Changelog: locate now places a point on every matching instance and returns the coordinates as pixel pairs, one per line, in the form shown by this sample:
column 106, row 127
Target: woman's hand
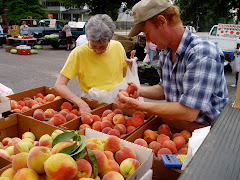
column 84, row 107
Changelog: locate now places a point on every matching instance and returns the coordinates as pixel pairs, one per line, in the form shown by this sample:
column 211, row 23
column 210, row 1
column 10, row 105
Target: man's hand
column 128, row 102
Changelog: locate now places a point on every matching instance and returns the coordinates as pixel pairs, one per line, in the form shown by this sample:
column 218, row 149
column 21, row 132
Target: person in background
column 24, row 30
column 99, row 63
column 67, row 29
column 150, row 50
column 191, row 68
column 237, row 73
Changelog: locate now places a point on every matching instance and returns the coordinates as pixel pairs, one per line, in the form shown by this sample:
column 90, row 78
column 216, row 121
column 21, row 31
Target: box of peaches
column 164, row 136
column 62, row 155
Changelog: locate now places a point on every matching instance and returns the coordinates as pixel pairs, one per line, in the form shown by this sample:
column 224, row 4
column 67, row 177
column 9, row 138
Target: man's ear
column 162, row 20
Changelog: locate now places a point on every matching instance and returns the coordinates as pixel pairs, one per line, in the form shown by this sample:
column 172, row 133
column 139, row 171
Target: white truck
column 226, row 36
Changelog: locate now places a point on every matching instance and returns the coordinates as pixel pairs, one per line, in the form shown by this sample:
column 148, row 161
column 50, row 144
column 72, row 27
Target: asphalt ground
column 24, row 72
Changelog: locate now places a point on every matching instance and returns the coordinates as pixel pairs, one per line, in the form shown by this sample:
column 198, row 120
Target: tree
column 109, row 7
column 20, row 9
column 206, row 13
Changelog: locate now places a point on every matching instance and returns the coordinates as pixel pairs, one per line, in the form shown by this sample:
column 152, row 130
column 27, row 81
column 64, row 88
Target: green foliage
column 21, row 9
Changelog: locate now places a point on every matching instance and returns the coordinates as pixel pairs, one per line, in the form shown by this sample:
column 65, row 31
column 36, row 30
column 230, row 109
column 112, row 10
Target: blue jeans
column 151, row 56
column 24, row 42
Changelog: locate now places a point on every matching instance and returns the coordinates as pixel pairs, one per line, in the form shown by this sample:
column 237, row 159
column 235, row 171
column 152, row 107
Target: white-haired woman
column 99, row 63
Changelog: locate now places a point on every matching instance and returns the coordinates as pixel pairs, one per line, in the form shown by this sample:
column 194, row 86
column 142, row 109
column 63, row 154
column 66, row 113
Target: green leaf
column 82, row 145
column 94, row 161
column 63, row 137
column 70, row 149
column 47, row 119
column 79, row 155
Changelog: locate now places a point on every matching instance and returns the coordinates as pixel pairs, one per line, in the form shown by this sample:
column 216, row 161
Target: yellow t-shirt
column 102, row 71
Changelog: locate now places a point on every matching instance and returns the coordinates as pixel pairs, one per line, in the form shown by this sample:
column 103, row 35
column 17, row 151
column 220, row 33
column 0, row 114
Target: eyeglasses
column 103, row 48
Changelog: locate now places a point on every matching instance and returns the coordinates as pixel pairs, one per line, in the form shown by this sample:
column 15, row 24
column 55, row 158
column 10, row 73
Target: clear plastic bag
column 146, row 59
column 235, row 64
column 5, row 91
column 108, row 97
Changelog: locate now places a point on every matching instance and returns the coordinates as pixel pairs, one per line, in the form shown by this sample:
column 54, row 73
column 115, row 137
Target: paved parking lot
column 23, row 72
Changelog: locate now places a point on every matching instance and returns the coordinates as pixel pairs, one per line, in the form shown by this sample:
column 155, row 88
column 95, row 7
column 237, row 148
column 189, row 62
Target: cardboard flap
column 5, row 104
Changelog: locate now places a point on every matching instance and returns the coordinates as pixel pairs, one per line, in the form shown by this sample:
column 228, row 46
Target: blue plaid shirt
column 196, row 79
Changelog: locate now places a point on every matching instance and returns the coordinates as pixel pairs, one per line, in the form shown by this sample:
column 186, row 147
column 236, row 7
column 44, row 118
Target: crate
column 160, row 171
column 15, row 27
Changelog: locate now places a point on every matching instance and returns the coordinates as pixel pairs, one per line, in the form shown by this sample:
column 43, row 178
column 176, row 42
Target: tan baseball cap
column 146, row 9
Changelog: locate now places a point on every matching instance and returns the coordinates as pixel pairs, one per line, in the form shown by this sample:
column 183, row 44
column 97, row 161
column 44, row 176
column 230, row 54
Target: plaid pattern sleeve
column 196, row 79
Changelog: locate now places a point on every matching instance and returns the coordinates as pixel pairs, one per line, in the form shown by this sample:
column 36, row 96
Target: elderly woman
column 99, row 63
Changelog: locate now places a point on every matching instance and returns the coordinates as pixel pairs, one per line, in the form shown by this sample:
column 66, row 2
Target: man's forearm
column 155, row 92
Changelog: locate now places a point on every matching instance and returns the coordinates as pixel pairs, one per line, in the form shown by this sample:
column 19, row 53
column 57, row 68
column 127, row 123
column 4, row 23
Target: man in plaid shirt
column 191, row 69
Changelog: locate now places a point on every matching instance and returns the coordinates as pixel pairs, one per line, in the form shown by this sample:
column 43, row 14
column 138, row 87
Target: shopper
column 191, row 68
column 67, row 28
column 150, row 50
column 99, row 63
column 24, row 30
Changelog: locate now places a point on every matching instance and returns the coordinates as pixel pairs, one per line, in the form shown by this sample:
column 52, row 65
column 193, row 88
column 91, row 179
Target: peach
column 39, row 100
column 21, row 147
column 95, row 144
column 28, row 135
column 155, row 146
column 186, row 134
column 20, row 161
column 112, row 143
column 14, row 104
column 87, row 118
column 123, row 92
column 26, row 99
column 101, row 160
column 169, row 144
column 10, row 149
column 49, row 97
column 84, row 169
column 39, row 95
column 26, row 174
column 36, row 158
column 186, row 145
column 14, row 141
column 57, row 97
column 75, row 111
column 175, row 135
column 162, row 137
column 164, row 129
column 124, row 153
column 106, row 130
column 128, row 121
column 17, row 110
column 25, row 108
column 141, row 142
column 46, row 140
column 61, row 145
column 118, row 111
column 112, row 166
column 179, row 141
column 137, row 120
column 70, row 117
column 113, row 175
column 128, row 167
column 183, row 151
column 131, row 88
column 49, row 113
column 96, row 118
column 130, row 129
column 110, row 117
column 29, row 142
column 8, row 173
column 163, row 151
column 105, row 124
column 150, row 135
column 109, row 155
column 121, row 128
column 114, row 132
column 21, row 103
column 175, row 151
column 84, row 126
column 104, row 119
column 19, row 107
column 139, row 113
column 5, row 154
column 97, row 126
column 119, row 119
column 66, row 105
column 58, row 119
column 56, row 133
column 92, row 177
column 31, row 102
column 60, row 166
column 106, row 112
column 39, row 115
column 5, row 141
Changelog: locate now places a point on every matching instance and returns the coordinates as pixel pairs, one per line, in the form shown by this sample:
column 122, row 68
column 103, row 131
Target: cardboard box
column 148, row 175
column 4, row 164
column 74, row 124
column 5, row 105
column 160, row 171
column 144, row 155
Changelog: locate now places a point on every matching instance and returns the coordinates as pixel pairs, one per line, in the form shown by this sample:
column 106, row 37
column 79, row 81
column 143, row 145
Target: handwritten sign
column 228, row 30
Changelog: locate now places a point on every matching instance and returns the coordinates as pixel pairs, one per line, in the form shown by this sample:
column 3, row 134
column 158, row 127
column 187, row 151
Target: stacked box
column 75, row 124
column 160, row 171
